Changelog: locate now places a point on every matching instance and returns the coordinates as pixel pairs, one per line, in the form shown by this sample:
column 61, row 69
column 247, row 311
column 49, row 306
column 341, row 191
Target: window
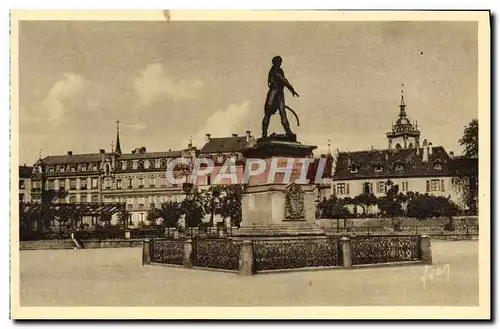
column 21, row 184
column 94, row 183
column 209, row 179
column 61, row 169
column 140, row 165
column 72, row 168
column 72, row 184
column 163, row 164
column 21, row 196
column 378, row 167
column 398, row 146
column 163, row 181
column 83, row 184
column 437, row 165
column 83, row 167
column 72, row 198
column 107, row 169
column 367, row 187
column 147, row 164
column 118, row 184
column 95, row 198
column 62, row 184
column 84, row 198
column 381, row 187
column 404, row 186
column 343, row 188
column 107, row 183
column 220, row 159
column 398, row 166
column 130, row 165
column 51, row 170
column 142, row 202
column 51, row 184
column 152, row 182
column 141, row 182
column 94, row 167
column 434, row 185
column 353, row 169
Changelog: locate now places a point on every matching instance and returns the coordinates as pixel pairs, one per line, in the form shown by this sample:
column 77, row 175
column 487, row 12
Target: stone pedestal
column 283, row 206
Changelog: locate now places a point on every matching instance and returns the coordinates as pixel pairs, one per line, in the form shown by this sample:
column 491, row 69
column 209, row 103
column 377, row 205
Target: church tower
column 404, row 134
column 118, row 148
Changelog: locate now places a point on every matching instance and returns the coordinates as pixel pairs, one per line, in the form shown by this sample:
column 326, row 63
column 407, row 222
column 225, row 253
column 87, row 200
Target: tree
column 334, row 208
column 465, row 169
column 170, row 212
column 212, row 201
column 470, row 139
column 230, row 203
column 365, row 200
column 192, row 207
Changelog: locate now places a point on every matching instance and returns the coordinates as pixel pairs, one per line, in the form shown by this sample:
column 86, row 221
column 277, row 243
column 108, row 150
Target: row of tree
column 393, row 204
column 218, row 200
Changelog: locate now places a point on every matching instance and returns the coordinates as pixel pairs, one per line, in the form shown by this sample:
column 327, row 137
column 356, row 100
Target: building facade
column 25, row 173
column 413, row 167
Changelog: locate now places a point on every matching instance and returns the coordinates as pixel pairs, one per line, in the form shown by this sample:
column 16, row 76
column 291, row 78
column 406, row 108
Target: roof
column 387, row 160
column 226, row 144
column 97, row 157
column 25, row 171
column 74, row 158
column 150, row 155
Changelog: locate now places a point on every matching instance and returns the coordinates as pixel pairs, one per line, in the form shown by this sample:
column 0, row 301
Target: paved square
column 115, row 277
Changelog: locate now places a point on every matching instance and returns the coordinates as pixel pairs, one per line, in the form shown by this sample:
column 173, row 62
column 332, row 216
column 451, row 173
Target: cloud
column 54, row 104
column 154, row 84
column 135, row 128
column 222, row 123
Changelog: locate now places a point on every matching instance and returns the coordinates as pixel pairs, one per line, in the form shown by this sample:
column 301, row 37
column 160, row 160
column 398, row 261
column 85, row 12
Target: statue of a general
column 275, row 100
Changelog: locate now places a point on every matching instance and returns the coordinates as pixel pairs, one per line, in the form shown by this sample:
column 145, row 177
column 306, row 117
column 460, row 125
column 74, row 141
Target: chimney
column 207, row 138
column 248, row 135
column 70, row 152
column 425, row 155
column 430, row 148
column 235, row 135
column 452, row 154
column 101, row 151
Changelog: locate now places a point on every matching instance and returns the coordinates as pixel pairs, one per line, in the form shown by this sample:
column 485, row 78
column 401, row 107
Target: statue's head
column 277, row 60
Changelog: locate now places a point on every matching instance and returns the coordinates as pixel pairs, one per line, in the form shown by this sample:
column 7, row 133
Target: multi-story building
column 423, row 169
column 25, row 183
column 137, row 178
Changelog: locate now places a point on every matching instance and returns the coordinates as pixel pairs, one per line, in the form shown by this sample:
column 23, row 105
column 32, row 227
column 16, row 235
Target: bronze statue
column 275, row 100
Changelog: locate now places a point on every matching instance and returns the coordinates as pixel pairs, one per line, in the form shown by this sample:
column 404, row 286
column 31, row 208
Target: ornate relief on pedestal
column 294, row 202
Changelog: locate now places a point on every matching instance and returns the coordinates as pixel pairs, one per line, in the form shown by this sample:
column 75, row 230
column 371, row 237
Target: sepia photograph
column 204, row 164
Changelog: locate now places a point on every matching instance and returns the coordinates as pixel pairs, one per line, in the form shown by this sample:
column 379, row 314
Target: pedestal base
column 280, row 231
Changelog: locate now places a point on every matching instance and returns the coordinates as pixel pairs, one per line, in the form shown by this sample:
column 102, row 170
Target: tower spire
column 402, row 104
column 118, row 149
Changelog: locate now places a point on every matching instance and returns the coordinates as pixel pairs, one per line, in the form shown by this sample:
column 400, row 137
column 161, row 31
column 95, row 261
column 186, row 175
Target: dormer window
column 62, row 169
column 140, row 165
column 129, row 165
column 378, row 167
column 353, row 169
column 83, row 167
column 438, row 165
column 399, row 166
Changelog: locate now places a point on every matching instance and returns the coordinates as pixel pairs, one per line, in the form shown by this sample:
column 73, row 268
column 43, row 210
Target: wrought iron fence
column 216, row 253
column 167, row 251
column 295, row 253
column 406, row 230
column 141, row 233
column 384, row 249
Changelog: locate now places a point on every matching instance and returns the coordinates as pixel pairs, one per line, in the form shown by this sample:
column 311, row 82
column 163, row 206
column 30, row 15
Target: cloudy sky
column 168, row 81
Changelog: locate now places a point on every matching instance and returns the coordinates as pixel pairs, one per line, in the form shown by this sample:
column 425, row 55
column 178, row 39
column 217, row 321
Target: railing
column 167, row 251
column 406, row 230
column 250, row 257
column 384, row 249
column 295, row 253
column 216, row 253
